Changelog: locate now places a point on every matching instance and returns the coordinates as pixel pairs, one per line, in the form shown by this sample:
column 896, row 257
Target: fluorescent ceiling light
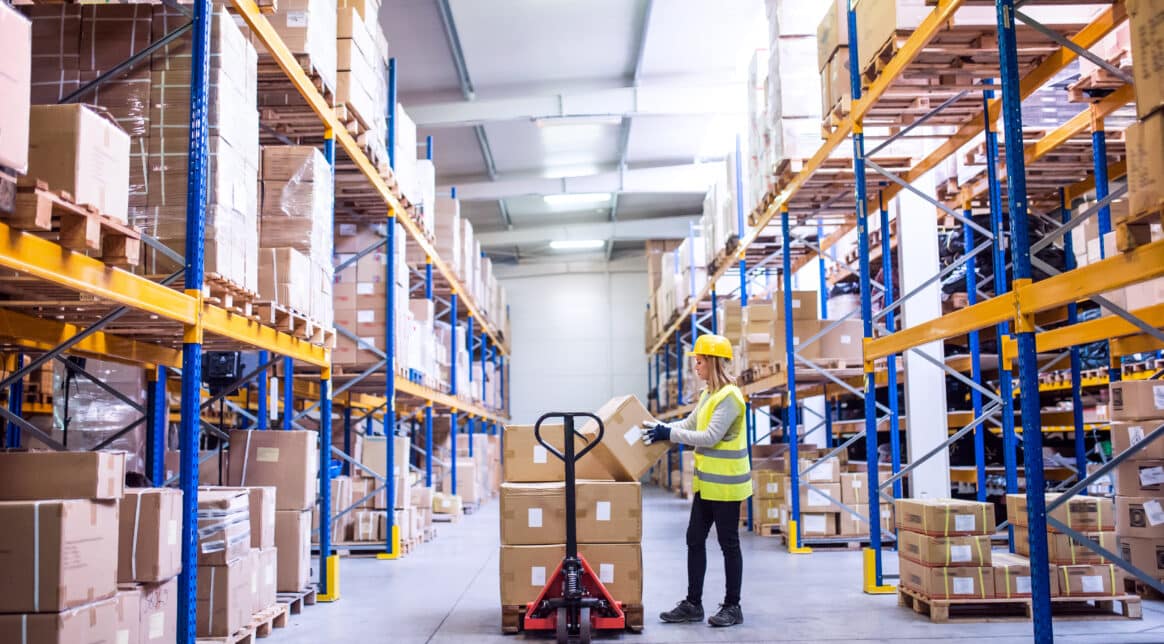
column 576, row 198
column 577, row 244
column 581, row 119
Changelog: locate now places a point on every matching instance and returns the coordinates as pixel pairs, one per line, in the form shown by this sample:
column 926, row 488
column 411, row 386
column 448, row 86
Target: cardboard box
column 1147, row 44
column 1139, row 517
column 128, row 608
column 264, row 578
column 1062, row 549
column 1145, row 164
column 962, row 582
column 819, row 524
column 833, row 31
column 814, row 499
column 1104, row 580
column 447, row 504
column 29, row 476
column 467, row 484
column 622, row 450
column 150, row 535
column 224, row 525
column 1126, row 434
column 524, row 571
column 94, row 623
column 854, row 489
column 843, row 342
column 972, row 550
column 224, row 598
column 823, row 471
column 375, row 455
column 363, row 526
column 619, row 567
column 533, row 513
column 73, row 148
column 767, row 484
column 262, row 508
column 1012, row 576
column 1083, row 513
column 15, row 88
column 293, row 543
column 804, row 305
column 1136, row 399
column 766, row 511
column 285, row 460
column 944, row 517
column 69, row 546
column 526, row 461
column 1146, row 555
column 1140, row 478
column 159, row 612
column 609, row 512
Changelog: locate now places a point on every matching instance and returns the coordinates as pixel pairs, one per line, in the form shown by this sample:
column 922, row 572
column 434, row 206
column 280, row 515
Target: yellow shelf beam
column 43, row 334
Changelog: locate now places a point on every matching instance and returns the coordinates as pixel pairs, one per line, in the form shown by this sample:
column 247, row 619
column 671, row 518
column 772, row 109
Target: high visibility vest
column 722, row 472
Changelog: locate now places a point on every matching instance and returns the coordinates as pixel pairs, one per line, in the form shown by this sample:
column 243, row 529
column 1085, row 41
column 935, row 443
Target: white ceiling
column 653, row 86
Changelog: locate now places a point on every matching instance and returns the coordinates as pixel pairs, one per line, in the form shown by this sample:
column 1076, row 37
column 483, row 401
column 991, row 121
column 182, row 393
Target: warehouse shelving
column 1015, row 304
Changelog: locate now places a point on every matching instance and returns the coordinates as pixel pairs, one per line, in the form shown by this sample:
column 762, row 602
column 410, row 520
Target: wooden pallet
column 1137, row 587
column 244, row 636
column 271, row 76
column 1093, row 87
column 835, row 116
column 293, row 322
column 1136, row 230
column 79, row 227
column 512, row 618
column 442, row 517
column 268, row 619
column 297, row 600
column 225, row 293
column 1018, row 609
column 767, row 529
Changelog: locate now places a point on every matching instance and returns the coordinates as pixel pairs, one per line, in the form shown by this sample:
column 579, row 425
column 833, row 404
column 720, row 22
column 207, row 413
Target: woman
column 722, row 479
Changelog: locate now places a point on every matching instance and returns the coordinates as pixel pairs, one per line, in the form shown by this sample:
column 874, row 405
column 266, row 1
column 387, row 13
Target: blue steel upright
column 790, row 369
column 157, row 422
column 975, row 360
column 16, row 404
column 263, row 412
column 390, row 370
column 1016, row 182
column 862, row 204
column 1099, row 164
column 453, row 387
column 288, row 394
column 890, row 360
column 325, row 518
column 822, row 273
column 188, row 426
column 1075, row 353
column 484, row 351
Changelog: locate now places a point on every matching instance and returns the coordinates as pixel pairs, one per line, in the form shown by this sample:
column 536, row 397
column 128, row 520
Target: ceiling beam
column 675, row 227
column 644, row 29
column 688, row 177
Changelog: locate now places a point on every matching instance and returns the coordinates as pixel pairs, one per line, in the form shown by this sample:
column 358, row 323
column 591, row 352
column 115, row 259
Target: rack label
column 1150, row 476
column 1135, row 434
column 1022, row 585
column 535, row 518
column 296, row 18
column 157, row 624
column 267, row 454
column 172, row 532
column 773, row 487
column 602, row 511
column 1158, row 396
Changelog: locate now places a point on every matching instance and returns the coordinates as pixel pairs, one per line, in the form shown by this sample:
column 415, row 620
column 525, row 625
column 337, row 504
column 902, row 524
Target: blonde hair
column 720, row 375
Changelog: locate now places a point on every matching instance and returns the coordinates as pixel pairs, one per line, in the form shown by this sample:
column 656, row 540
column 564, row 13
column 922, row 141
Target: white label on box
column 1135, row 434
column 1022, row 585
column 1154, row 511
column 269, row 574
column 1150, row 476
column 537, row 576
column 123, row 636
column 846, row 339
column 1158, row 396
column 157, row 625
column 267, row 454
column 1091, row 583
column 602, row 510
column 773, row 488
column 963, row 585
column 540, row 454
column 814, row 523
column 796, row 340
column 960, row 554
column 857, row 484
column 535, row 517
column 773, row 513
column 366, row 315
column 296, row 18
column 606, row 573
column 964, row 522
column 172, row 532
column 795, row 303
column 633, row 435
column 365, row 288
column 817, row 499
column 822, row 474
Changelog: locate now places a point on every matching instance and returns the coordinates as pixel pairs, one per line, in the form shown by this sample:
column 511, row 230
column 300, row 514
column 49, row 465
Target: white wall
column 577, row 339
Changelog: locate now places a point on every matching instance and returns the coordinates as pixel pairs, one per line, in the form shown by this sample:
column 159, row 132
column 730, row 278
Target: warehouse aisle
column 448, row 592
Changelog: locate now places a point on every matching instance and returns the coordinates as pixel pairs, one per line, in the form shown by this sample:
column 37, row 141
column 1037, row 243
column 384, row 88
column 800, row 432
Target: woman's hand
column 655, row 432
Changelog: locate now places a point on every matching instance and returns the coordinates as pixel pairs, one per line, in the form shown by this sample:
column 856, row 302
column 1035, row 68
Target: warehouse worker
column 722, row 479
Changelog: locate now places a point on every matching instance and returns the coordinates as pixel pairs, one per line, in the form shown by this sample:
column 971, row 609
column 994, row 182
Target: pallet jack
column 574, row 603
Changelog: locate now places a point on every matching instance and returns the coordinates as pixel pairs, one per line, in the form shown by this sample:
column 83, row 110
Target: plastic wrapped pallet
column 308, row 28
column 95, row 415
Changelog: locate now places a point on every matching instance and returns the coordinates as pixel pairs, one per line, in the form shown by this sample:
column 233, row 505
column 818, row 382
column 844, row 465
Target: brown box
column 128, row 607
column 767, row 484
column 94, row 623
column 264, row 575
column 533, row 513
column 1126, row 434
column 1012, row 576
column 526, row 461
column 971, row 550
column 262, row 508
column 70, row 546
column 467, row 485
column 73, row 148
column 1091, row 580
column 1136, row 399
column 619, row 567
column 1144, row 16
column 816, row 498
column 944, row 517
column 1083, row 513
column 766, row 511
column 819, row 524
column 29, row 476
column 1146, row 555
column 1062, row 549
column 15, row 88
column 524, row 571
column 833, row 31
column 224, row 598
column 363, row 526
column 286, row 460
column 1139, row 517
column 150, row 535
column 224, row 525
column 159, row 612
column 962, row 582
column 823, row 471
column 609, row 512
column 375, row 455
column 1145, row 181
column 622, row 451
column 1136, row 477
column 293, row 541
column 843, row 342
column 804, row 305
column 854, row 491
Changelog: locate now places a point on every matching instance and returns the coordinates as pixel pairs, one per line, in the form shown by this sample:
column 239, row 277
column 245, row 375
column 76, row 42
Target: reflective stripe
column 721, row 453
column 724, row 479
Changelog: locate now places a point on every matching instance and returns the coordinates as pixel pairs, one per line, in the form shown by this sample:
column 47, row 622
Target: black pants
column 725, row 515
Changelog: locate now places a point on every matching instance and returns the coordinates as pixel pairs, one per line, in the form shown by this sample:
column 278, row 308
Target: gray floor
column 447, row 592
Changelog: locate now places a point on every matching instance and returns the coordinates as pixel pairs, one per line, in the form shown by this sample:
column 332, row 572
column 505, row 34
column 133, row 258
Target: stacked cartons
column 1137, row 409
column 1076, row 570
column 793, row 89
column 15, row 88
column 308, row 28
column 405, row 168
column 360, row 294
column 832, row 59
column 356, row 65
column 768, row 496
column 149, row 560
column 60, row 539
column 944, row 548
column 224, row 598
column 1145, row 138
column 75, row 149
column 758, row 161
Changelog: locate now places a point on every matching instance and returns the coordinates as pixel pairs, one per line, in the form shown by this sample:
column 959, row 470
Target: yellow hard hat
column 712, row 345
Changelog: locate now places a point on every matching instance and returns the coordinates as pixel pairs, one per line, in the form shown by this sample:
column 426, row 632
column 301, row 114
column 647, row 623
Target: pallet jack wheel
column 584, row 626
column 562, row 626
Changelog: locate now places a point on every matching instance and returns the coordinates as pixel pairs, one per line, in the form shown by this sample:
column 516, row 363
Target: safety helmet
column 712, row 345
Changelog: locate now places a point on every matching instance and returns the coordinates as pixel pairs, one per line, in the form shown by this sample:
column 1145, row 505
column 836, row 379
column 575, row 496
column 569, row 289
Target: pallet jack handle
column 569, row 458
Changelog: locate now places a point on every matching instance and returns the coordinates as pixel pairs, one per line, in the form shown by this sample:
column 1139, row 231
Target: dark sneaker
column 684, row 612
column 728, row 615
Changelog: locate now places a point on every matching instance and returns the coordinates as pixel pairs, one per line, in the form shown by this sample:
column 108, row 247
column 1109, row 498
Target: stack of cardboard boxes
column 1075, row 570
column 149, row 559
column 1145, row 153
column 360, row 294
column 1137, row 409
column 608, row 510
column 944, row 548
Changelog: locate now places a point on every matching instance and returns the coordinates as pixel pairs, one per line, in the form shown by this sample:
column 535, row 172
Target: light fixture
column 576, row 198
column 577, row 244
column 578, row 119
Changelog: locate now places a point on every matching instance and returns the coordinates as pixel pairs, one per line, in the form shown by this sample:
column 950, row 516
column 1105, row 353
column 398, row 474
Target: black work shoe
column 728, row 615
column 684, row 612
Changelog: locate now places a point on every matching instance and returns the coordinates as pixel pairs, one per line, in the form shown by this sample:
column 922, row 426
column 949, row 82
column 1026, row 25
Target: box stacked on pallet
column 1076, row 569
column 1145, row 152
column 341, row 499
column 832, row 60
column 365, row 522
column 1137, row 409
column 149, row 560
column 793, row 88
column 308, row 29
column 360, row 294
column 224, row 600
column 944, row 548
column 60, row 512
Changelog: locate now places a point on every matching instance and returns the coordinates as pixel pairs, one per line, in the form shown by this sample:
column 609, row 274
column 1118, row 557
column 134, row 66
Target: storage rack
column 1022, row 303
column 136, row 320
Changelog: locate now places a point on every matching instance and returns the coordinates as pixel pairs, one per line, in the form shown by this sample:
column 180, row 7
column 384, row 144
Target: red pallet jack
column 574, row 603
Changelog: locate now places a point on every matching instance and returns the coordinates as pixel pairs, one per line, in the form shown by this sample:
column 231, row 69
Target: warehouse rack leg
column 329, row 586
column 749, row 435
column 975, row 363
column 1076, row 357
column 15, row 403
column 794, row 533
column 891, row 360
column 348, row 434
column 427, row 444
column 263, row 413
column 157, row 422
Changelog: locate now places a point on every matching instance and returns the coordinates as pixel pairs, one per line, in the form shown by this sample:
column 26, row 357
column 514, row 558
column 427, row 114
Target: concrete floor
column 447, row 591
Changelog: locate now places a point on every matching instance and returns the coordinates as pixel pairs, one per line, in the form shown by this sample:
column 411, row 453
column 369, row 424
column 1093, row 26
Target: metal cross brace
column 816, row 249
column 1063, row 228
column 936, row 202
column 209, row 455
column 156, row 244
column 360, row 343
column 360, row 255
column 344, row 387
column 840, row 383
column 941, row 275
column 1106, row 303
column 108, row 388
column 927, row 116
column 1082, row 52
column 1102, row 470
column 122, row 432
column 986, row 413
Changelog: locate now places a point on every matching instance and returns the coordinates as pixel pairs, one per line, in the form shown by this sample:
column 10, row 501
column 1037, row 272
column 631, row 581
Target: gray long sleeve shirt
column 722, row 419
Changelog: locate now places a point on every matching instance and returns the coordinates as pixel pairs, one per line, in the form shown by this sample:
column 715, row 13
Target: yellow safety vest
column 722, row 472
